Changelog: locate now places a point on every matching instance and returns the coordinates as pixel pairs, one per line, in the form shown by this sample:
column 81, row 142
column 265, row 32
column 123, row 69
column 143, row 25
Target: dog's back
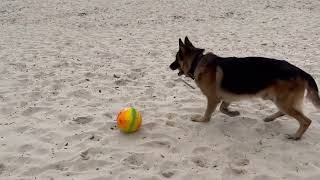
column 250, row 75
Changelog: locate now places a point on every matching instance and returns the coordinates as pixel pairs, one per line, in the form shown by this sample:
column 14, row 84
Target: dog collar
column 194, row 65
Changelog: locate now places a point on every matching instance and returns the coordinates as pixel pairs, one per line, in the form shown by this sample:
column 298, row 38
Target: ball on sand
column 129, row 120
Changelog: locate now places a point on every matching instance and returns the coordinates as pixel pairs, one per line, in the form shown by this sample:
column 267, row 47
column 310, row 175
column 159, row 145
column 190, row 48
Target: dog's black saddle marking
column 249, row 75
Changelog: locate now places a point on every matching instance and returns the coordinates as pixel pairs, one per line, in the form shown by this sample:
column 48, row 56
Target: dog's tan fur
column 287, row 95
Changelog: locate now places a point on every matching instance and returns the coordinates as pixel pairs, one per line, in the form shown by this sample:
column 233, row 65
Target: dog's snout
column 174, row 65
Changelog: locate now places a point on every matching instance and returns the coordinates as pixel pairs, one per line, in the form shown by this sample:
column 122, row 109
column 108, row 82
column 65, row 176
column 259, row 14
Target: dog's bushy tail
column 313, row 90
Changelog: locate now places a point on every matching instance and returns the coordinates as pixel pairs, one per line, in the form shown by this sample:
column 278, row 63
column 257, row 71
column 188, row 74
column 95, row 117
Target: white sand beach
column 68, row 67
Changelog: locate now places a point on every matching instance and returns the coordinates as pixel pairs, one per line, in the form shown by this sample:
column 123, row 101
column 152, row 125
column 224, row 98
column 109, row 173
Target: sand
column 68, row 67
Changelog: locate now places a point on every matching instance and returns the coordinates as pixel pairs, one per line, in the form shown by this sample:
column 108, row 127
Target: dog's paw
column 293, row 137
column 268, row 119
column 199, row 118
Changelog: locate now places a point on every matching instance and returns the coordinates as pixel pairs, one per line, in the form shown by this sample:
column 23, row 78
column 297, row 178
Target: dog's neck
column 194, row 65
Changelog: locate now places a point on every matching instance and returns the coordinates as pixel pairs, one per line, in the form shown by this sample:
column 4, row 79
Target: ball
column 129, row 120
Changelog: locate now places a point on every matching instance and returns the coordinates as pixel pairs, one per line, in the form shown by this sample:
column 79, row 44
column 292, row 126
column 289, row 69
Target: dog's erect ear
column 187, row 42
column 181, row 43
column 182, row 47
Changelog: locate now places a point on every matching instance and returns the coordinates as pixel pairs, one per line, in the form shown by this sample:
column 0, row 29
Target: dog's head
column 184, row 57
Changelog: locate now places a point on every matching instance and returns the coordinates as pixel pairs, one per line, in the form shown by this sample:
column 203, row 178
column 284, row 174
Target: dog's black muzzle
column 174, row 66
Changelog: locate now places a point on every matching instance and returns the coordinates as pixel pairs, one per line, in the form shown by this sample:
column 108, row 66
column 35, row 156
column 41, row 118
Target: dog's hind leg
column 224, row 109
column 304, row 123
column 274, row 116
column 290, row 103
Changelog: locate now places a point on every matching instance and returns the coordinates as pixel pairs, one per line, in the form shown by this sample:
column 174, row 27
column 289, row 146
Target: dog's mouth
column 174, row 66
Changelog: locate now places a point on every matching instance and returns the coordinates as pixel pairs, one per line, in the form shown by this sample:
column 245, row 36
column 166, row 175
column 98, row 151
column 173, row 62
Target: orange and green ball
column 129, row 120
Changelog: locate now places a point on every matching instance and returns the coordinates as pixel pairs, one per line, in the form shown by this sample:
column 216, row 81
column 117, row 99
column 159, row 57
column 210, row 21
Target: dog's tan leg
column 289, row 107
column 303, row 121
column 288, row 96
column 211, row 106
column 224, row 109
column 274, row 116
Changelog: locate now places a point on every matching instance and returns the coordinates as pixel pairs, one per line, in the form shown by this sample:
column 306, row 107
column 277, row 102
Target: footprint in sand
column 171, row 123
column 83, row 120
column 32, row 110
column 62, row 117
column 150, row 126
column 85, row 155
column 134, row 160
column 171, row 116
column 108, row 115
column 158, row 140
column 25, row 148
column 170, row 84
column 200, row 161
column 167, row 173
column 157, row 144
column 233, row 173
column 135, row 75
column 241, row 162
column 121, row 82
column 263, row 177
column 84, row 94
column 200, row 150
column 168, row 169
column 80, row 165
column 136, row 70
column 236, row 168
column 33, row 171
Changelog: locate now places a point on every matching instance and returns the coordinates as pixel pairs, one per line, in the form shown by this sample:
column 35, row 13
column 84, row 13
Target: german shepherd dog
column 229, row 79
